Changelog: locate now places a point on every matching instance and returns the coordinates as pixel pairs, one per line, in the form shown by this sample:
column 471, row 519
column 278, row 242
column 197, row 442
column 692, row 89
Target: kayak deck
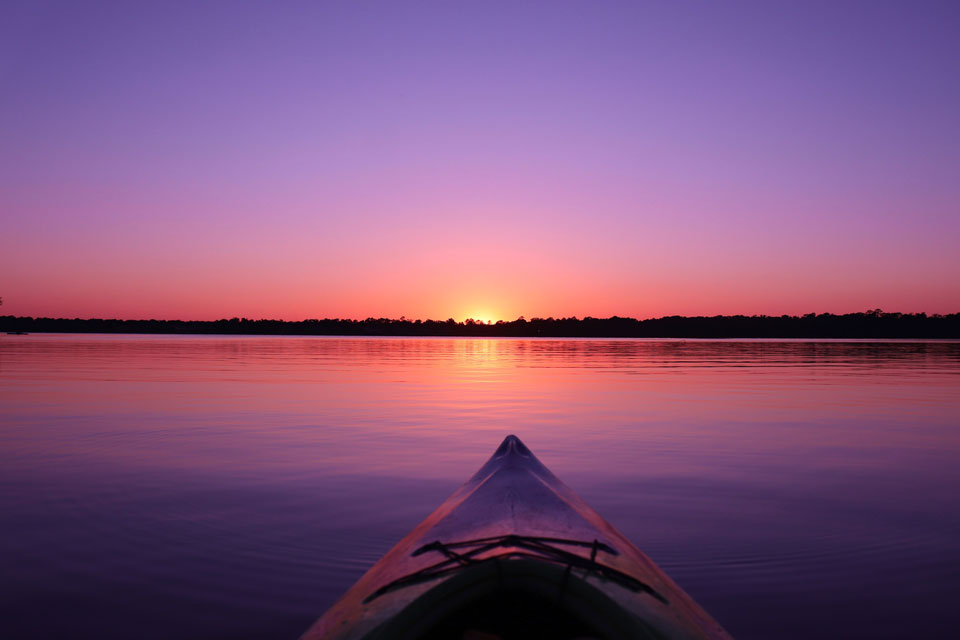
column 514, row 553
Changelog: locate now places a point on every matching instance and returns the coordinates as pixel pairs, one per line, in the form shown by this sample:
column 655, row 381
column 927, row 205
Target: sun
column 482, row 315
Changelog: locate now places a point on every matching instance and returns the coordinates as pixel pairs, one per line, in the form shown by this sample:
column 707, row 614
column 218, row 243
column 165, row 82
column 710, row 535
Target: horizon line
column 878, row 313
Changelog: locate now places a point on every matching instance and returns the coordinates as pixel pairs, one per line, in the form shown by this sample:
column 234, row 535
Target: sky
column 201, row 160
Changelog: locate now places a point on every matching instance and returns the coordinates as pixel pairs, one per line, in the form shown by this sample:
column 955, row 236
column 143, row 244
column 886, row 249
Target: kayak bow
column 515, row 553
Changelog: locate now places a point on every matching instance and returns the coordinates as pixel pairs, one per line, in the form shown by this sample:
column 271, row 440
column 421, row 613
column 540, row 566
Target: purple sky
column 204, row 160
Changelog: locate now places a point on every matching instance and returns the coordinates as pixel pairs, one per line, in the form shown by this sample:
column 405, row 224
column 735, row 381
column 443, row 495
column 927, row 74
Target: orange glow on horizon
column 484, row 316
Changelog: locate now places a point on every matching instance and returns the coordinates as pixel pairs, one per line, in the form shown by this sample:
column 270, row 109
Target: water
column 209, row 487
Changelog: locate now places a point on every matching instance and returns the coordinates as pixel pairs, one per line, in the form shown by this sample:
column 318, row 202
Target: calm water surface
column 211, row 487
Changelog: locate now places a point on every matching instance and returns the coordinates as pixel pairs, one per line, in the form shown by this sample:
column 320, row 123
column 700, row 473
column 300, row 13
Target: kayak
column 514, row 553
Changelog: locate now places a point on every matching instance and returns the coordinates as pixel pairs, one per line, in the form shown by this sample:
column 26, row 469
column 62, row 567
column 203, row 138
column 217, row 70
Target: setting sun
column 483, row 316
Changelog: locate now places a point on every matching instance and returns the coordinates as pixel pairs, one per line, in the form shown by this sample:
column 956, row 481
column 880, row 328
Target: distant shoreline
column 870, row 324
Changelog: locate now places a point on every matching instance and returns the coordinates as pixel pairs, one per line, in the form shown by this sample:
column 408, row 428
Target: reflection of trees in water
column 874, row 323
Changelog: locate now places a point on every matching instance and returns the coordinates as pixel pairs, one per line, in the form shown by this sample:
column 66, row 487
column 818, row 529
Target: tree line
column 874, row 323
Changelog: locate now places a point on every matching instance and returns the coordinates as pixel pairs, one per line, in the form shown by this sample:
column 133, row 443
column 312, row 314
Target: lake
column 233, row 487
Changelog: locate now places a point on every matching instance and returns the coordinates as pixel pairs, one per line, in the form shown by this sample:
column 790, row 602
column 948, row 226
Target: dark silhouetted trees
column 874, row 323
